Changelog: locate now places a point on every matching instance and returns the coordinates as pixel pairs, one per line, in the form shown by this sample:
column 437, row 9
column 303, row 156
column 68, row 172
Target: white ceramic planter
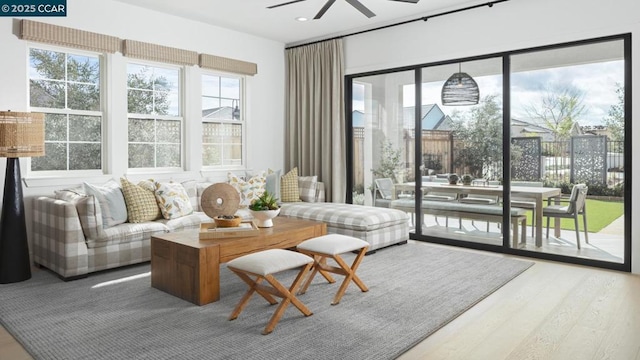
column 264, row 218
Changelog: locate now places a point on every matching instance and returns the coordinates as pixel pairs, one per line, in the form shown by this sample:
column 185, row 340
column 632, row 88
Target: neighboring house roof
column 433, row 119
column 596, row 130
column 224, row 112
column 521, row 128
column 357, row 118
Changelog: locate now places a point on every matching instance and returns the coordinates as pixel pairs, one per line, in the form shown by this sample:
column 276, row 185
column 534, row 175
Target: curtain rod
column 424, row 18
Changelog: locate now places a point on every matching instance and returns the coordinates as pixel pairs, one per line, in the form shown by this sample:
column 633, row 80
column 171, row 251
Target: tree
column 615, row 119
column 148, row 94
column 390, row 161
column 80, row 73
column 559, row 108
column 478, row 135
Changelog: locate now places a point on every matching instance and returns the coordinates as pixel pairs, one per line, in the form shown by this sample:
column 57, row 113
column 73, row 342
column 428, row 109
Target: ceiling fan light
column 459, row 90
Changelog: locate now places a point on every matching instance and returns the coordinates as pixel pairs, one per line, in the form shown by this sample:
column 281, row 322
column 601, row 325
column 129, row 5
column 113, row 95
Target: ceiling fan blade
column 363, row 9
column 283, row 4
column 324, row 9
column 407, row 1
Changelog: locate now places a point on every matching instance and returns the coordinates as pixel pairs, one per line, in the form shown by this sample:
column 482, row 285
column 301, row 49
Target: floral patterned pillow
column 173, row 200
column 250, row 189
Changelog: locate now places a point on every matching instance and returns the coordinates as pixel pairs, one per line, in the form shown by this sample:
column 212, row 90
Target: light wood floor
column 551, row 311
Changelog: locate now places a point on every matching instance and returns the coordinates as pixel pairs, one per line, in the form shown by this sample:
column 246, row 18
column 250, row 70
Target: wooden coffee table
column 189, row 268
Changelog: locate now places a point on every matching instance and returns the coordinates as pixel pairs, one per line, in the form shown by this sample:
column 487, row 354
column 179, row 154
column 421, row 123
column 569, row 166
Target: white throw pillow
column 111, row 200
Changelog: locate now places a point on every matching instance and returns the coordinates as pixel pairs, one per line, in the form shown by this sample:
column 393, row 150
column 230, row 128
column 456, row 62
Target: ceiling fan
column 355, row 3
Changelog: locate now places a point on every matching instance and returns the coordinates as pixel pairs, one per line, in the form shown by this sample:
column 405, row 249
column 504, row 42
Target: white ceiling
column 280, row 24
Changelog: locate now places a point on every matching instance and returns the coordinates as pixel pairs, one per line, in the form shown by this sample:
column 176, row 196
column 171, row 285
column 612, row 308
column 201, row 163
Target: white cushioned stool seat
column 333, row 244
column 330, row 247
column 270, row 261
column 259, row 266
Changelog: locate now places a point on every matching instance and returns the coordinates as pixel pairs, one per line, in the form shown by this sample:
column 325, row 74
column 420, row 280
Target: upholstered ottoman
column 378, row 226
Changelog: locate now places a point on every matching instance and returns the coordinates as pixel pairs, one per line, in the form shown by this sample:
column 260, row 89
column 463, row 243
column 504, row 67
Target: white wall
column 265, row 91
column 512, row 25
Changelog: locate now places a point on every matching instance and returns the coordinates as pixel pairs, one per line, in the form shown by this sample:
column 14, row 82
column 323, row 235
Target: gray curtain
column 315, row 115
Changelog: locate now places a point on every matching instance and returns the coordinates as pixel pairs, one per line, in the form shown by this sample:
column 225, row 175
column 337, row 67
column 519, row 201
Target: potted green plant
column 466, row 179
column 264, row 209
column 453, row 179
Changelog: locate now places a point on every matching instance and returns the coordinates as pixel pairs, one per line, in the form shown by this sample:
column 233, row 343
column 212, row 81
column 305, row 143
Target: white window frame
column 102, row 113
column 242, row 121
column 180, row 117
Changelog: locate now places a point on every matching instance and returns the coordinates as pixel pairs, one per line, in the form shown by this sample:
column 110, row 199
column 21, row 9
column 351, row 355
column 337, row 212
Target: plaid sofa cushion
column 307, row 186
column 88, row 209
column 189, row 222
column 128, row 233
column 346, row 216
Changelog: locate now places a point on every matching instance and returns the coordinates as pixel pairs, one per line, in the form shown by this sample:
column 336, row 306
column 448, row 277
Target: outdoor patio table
column 537, row 194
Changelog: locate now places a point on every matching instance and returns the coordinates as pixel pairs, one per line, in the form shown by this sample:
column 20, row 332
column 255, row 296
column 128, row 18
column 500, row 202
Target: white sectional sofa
column 69, row 237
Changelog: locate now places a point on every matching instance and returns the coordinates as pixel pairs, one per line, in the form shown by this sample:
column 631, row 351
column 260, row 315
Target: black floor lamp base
column 15, row 265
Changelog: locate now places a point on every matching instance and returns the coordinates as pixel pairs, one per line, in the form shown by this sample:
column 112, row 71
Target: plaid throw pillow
column 141, row 203
column 88, row 212
column 289, row 190
column 308, row 186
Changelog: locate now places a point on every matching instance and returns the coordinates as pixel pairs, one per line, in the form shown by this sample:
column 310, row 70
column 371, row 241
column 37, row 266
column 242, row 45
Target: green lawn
column 599, row 214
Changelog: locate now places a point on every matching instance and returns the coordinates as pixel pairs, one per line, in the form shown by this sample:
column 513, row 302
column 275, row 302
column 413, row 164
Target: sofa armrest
column 58, row 241
column 320, row 195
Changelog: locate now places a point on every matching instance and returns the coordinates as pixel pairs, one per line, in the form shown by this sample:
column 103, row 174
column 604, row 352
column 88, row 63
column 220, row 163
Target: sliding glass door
column 461, row 152
column 568, row 140
column 381, row 158
column 527, row 152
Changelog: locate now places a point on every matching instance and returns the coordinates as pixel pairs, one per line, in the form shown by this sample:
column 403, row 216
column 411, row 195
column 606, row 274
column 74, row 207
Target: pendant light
column 460, row 89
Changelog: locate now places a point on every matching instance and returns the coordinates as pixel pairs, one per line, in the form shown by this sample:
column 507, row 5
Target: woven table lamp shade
column 21, row 135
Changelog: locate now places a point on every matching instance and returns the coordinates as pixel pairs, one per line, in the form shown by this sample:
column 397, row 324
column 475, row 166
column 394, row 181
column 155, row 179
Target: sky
column 596, row 81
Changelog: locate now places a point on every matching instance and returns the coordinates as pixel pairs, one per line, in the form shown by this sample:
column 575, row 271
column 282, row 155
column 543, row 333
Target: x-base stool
column 259, row 266
column 330, row 247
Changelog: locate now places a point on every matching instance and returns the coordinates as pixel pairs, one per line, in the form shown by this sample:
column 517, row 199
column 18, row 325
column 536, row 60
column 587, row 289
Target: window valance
column 64, row 36
column 226, row 64
column 147, row 51
column 69, row 37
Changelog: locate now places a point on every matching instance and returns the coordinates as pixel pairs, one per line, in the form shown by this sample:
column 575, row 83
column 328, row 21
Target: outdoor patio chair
column 384, row 186
column 576, row 206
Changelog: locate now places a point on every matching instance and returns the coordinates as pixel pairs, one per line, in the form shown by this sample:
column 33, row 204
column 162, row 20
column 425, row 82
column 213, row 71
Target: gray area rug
column 414, row 290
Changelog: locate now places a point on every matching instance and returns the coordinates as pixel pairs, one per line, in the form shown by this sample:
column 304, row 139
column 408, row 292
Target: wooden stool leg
column 320, row 262
column 287, row 297
column 350, row 275
column 325, row 274
column 253, row 287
